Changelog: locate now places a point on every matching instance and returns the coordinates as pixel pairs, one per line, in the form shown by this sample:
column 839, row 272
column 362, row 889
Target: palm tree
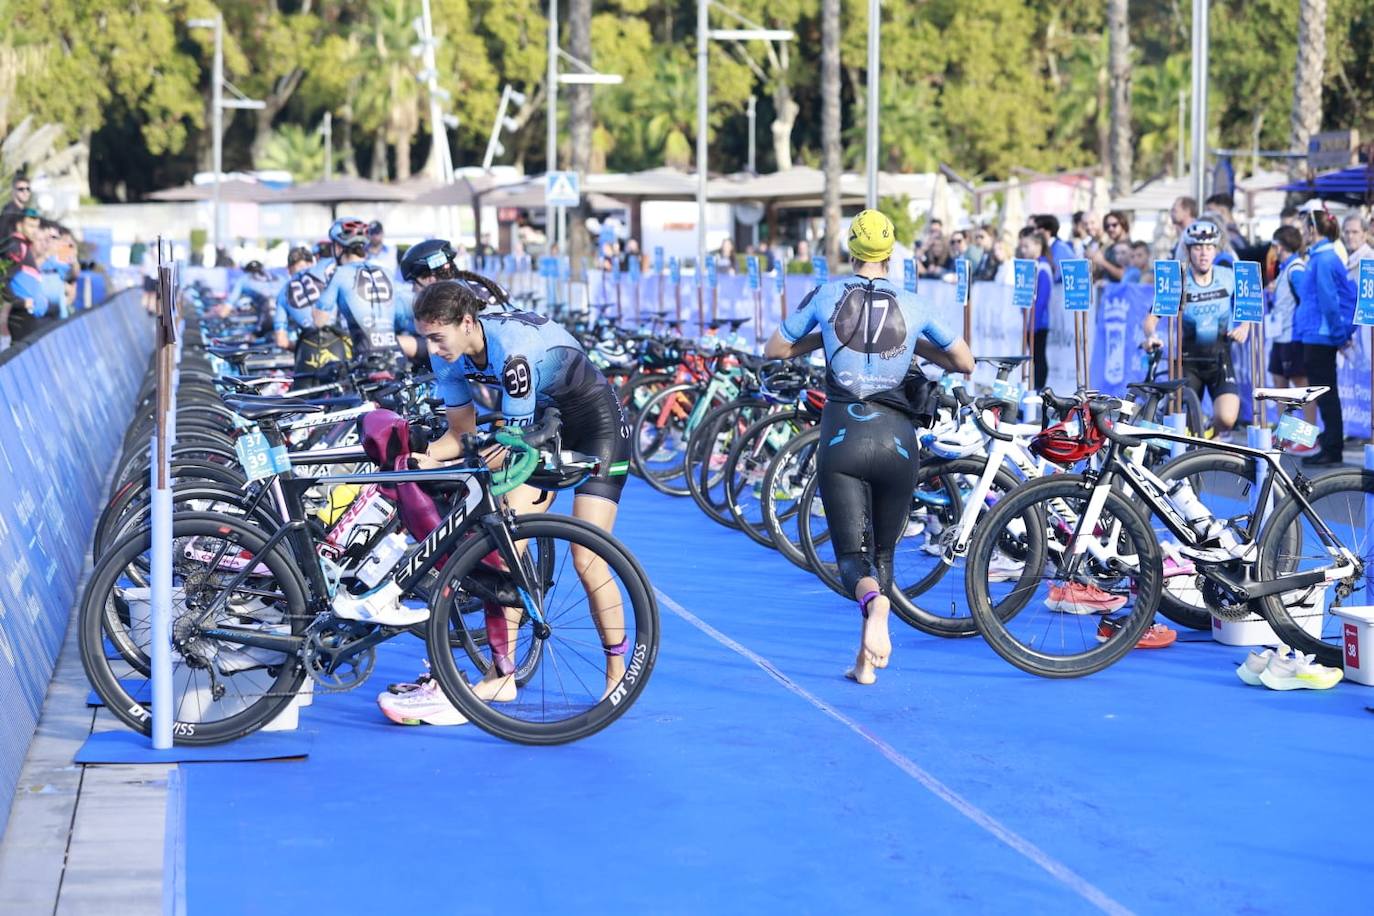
column 296, row 149
column 1307, row 79
column 388, row 99
column 831, row 149
column 1119, row 67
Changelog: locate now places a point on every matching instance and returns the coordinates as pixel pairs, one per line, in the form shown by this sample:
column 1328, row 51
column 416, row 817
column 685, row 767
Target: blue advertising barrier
column 65, row 402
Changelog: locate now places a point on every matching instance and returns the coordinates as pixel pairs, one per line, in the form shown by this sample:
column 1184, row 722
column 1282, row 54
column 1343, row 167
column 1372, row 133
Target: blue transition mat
column 751, row 777
column 129, row 747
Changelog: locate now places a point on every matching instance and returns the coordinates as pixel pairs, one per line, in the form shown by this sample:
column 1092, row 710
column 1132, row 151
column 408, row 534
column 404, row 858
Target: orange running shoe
column 1077, row 598
column 1156, row 637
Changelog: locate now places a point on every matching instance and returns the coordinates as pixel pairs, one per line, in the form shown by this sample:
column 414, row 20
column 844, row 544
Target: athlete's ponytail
column 447, row 302
column 498, row 295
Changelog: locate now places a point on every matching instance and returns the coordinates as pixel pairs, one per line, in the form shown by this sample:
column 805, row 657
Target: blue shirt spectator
column 1325, row 314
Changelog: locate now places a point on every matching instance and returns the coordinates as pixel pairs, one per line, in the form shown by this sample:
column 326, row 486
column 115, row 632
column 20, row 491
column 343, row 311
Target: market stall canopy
column 523, row 193
column 803, row 185
column 342, row 190
column 1354, row 185
column 231, row 190
column 651, row 184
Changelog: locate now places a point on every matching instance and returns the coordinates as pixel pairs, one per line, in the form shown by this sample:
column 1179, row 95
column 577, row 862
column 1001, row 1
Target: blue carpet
column 957, row 784
column 129, row 747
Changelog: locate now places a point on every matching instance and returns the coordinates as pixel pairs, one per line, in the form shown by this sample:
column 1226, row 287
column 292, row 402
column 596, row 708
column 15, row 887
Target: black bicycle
column 253, row 611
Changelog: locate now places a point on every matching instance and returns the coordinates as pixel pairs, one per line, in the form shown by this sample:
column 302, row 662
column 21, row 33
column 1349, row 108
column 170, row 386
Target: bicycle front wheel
column 1083, row 598
column 582, row 592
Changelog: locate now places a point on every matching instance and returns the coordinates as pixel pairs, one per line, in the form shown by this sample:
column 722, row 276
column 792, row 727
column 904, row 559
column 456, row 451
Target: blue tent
column 1354, row 185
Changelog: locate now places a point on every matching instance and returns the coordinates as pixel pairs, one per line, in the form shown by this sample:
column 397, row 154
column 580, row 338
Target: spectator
column 1222, row 205
column 936, row 260
column 1078, row 233
column 958, row 248
column 1286, row 366
column 1142, row 269
column 21, row 192
column 1058, row 249
column 803, row 253
column 1031, row 246
column 725, row 257
column 1110, row 260
column 1291, row 216
column 1356, row 243
column 1324, row 323
column 1182, row 214
column 378, row 251
column 985, row 241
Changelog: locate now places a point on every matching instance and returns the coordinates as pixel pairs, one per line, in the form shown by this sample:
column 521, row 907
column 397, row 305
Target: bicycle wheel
column 746, row 466
column 1050, row 619
column 570, row 695
column 931, row 595
column 783, row 483
column 1290, row 546
column 659, row 444
column 1223, row 482
column 222, row 690
column 815, row 538
column 708, row 449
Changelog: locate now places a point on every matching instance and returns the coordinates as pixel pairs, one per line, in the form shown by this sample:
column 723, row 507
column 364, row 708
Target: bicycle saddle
column 1168, row 386
column 1292, row 395
column 254, row 409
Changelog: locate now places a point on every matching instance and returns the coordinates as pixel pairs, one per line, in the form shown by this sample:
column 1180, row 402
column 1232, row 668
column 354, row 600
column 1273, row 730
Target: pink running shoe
column 1077, row 598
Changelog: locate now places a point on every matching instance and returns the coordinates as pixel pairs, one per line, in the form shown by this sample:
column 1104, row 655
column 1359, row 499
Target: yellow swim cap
column 871, row 236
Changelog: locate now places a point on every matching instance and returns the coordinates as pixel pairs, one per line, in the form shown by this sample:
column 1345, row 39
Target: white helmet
column 953, row 439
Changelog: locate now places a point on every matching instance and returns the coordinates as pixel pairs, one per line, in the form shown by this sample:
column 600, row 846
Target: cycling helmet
column 953, row 439
column 374, row 227
column 428, row 257
column 1069, row 442
column 324, row 249
column 349, row 232
column 1201, row 232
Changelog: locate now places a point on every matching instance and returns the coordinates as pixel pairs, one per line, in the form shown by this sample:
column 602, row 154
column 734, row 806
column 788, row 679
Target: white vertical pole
column 1200, row 61
column 328, row 145
column 703, row 36
column 874, row 30
column 217, row 124
column 161, row 579
column 551, row 140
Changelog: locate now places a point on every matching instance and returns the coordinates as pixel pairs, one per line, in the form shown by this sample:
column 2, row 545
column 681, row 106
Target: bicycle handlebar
column 1100, row 410
column 977, row 407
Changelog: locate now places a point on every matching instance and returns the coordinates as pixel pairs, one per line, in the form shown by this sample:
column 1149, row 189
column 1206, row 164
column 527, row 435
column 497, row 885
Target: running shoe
column 424, row 705
column 1004, row 569
column 1156, row 637
column 1250, row 669
column 1300, row 672
column 1078, row 598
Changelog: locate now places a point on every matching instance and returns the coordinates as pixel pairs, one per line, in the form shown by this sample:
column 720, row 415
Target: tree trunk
column 403, row 139
column 1119, row 65
column 377, row 170
column 276, row 100
column 579, row 121
column 344, row 143
column 1307, row 81
column 830, row 124
column 785, row 115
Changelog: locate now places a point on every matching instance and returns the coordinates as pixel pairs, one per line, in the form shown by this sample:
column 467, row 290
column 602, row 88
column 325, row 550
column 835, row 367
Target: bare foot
column 615, row 670
column 495, row 688
column 875, row 647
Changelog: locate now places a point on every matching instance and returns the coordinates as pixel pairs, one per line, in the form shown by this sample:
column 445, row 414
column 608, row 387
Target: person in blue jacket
column 1324, row 322
column 1031, row 246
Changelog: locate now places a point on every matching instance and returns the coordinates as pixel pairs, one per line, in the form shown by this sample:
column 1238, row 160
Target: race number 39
column 516, row 377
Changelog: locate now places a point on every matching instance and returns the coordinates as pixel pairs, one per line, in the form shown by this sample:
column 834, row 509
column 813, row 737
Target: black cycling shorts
column 595, row 425
column 1216, row 377
column 1286, row 359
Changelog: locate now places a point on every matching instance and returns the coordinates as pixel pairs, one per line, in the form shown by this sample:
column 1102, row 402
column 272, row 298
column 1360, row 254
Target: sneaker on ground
column 1249, row 670
column 1004, row 569
column 1300, row 672
column 1156, row 637
column 425, row 705
column 1078, row 598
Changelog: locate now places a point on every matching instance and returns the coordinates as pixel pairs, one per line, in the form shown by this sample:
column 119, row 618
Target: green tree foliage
column 983, row 85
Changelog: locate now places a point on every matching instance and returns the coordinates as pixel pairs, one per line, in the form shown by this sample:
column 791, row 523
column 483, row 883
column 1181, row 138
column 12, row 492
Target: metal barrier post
column 1178, row 422
column 161, row 513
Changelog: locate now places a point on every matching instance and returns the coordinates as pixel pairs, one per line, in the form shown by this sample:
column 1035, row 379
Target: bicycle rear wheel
column 574, row 692
column 1290, row 546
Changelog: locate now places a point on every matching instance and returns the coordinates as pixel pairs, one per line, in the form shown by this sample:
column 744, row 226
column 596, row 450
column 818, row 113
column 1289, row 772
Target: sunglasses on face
column 22, row 189
column 1112, row 225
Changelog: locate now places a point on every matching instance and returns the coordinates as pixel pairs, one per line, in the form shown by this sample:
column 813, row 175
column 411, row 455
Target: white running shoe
column 1301, row 672
column 1249, row 670
column 1004, row 569
column 381, row 606
column 424, row 705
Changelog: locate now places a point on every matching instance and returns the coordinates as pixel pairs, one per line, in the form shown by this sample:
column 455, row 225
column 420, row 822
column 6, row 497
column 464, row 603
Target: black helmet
column 425, row 258
column 255, row 268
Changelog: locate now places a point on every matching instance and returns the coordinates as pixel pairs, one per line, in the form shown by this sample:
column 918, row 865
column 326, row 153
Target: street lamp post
column 874, row 27
column 754, row 32
column 217, row 105
column 1200, row 61
column 551, row 141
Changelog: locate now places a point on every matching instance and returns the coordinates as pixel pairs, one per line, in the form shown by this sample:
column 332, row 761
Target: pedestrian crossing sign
column 560, row 189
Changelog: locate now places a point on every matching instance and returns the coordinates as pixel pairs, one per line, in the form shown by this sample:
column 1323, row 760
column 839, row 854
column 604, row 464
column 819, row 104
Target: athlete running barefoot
column 871, row 333
column 536, row 364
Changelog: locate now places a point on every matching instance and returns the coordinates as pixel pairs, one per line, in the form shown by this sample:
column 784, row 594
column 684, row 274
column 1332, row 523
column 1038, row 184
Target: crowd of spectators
column 39, row 266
